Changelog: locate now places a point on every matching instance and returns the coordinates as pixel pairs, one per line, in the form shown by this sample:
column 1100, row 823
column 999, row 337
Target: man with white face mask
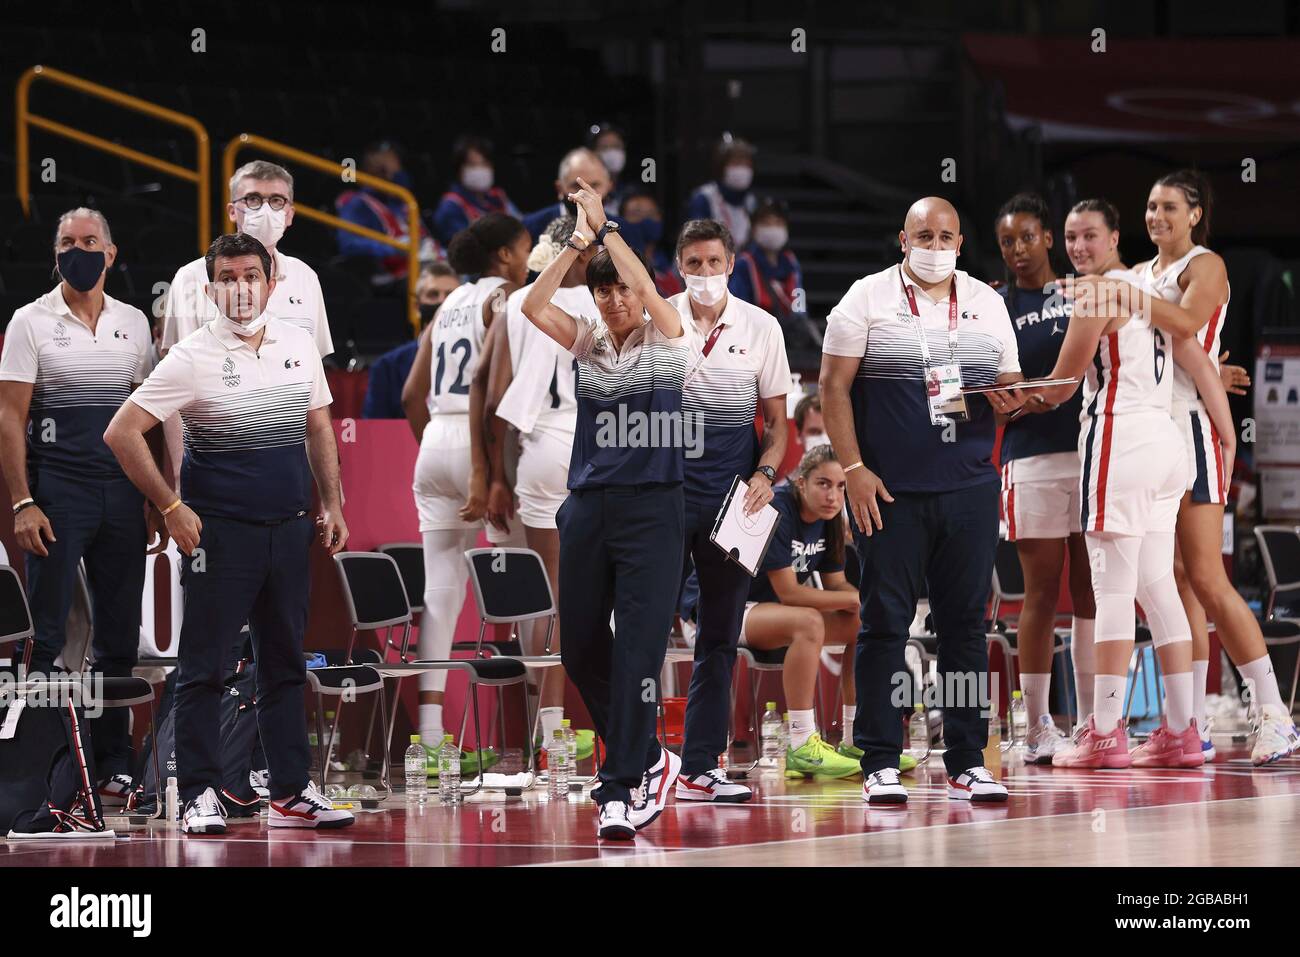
column 922, row 490
column 740, row 367
column 729, row 198
column 251, row 391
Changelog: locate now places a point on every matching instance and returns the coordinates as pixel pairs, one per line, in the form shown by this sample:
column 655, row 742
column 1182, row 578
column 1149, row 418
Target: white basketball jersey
column 1132, row 369
column 457, row 342
column 1166, row 287
column 532, row 351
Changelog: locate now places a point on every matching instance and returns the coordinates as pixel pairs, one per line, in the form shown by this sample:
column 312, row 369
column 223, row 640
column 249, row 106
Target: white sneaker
column 308, row 808
column 1207, row 744
column 612, row 823
column 1277, row 736
column 713, row 786
column 650, row 799
column 114, row 791
column 883, row 787
column 204, row 815
column 1043, row 741
column 976, row 784
column 261, row 783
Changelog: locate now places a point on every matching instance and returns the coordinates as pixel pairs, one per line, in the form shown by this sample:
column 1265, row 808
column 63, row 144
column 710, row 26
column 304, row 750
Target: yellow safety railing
column 200, row 176
column 412, row 244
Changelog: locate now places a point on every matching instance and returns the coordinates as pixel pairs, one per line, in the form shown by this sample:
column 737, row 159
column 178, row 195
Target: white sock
column 1083, row 651
column 1179, row 695
column 1200, row 673
column 802, row 727
column 431, row 725
column 551, row 718
column 1263, row 682
column 849, row 712
column 1036, row 690
column 1108, row 691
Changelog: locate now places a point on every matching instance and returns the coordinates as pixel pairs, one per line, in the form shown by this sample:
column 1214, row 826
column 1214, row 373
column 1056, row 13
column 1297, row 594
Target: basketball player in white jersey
column 1132, row 468
column 1192, row 280
column 531, row 389
column 450, row 480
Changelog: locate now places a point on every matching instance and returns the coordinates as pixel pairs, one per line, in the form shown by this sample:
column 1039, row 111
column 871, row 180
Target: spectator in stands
column 388, row 373
column 580, row 163
column 643, row 227
column 70, row 359
column 606, row 141
column 261, row 206
column 382, row 212
column 728, row 198
column 808, row 422
column 767, row 272
column 473, row 193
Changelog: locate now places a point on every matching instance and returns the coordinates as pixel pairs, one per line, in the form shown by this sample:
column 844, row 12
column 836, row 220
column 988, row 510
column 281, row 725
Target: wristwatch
column 609, row 227
column 768, row 471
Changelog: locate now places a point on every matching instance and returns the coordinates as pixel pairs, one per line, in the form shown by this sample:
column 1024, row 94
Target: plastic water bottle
column 918, row 735
column 449, row 773
column 557, row 767
column 1019, row 721
column 571, row 744
column 173, row 802
column 417, row 775
column 771, row 735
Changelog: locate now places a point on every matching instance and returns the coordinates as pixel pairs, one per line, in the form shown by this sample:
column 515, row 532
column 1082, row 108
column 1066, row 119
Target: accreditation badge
column 943, row 393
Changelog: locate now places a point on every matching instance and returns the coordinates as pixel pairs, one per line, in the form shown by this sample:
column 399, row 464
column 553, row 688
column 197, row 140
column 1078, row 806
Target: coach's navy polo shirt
column 244, row 418
column 747, row 362
column 1039, row 319
column 890, row 410
column 79, row 380
column 629, row 424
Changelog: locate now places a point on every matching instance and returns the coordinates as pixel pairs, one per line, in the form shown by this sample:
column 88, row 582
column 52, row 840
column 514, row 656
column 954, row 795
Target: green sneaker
column 586, row 740
column 468, row 761
column 818, row 758
column 905, row 761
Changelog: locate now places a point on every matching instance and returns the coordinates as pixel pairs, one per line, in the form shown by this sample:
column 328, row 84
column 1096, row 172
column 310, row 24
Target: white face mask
column 738, row 177
column 264, row 224
column 771, row 238
column 707, row 290
column 231, row 296
column 816, row 439
column 932, row 265
column 478, row 179
column 614, row 159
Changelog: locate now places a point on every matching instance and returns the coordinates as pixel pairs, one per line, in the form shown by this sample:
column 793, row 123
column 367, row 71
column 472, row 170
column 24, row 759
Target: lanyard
column 713, row 337
column 704, row 352
column 952, row 319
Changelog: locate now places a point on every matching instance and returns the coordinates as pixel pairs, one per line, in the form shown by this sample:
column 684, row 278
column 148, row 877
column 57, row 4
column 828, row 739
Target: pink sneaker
column 1091, row 750
column 1167, row 749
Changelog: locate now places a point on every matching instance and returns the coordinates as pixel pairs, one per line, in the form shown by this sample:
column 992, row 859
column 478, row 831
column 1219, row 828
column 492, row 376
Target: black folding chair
column 345, row 682
column 15, row 616
column 410, row 562
column 1279, row 546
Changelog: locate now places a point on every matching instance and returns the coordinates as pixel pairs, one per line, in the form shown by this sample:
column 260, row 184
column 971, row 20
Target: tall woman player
column 1130, row 487
column 1191, row 283
column 451, row 483
column 1040, row 475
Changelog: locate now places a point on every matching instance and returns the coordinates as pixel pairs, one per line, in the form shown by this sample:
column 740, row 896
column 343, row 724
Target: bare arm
column 1206, row 287
column 864, row 485
column 1077, row 350
column 125, row 436
column 31, row 526
column 487, row 459
column 323, row 456
column 771, row 452
column 415, row 393
column 630, row 267
column 786, row 585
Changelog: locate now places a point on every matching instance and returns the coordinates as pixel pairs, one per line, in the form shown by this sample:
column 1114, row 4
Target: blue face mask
column 81, row 268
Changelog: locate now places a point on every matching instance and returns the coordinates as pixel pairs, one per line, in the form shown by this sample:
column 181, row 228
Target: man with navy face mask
column 70, row 359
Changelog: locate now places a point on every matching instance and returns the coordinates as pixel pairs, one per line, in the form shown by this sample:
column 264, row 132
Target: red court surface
column 1226, row 814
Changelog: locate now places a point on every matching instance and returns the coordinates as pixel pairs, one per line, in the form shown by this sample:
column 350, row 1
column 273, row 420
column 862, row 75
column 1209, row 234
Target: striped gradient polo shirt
column 79, row 380
column 629, row 427
column 244, row 418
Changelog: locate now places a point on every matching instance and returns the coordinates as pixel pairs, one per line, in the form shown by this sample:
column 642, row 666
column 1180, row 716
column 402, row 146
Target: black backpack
column 64, row 800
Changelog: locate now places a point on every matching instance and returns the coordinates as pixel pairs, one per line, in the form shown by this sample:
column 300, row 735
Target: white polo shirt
column 79, row 379
column 296, row 300
column 747, row 363
column 244, row 418
column 891, row 411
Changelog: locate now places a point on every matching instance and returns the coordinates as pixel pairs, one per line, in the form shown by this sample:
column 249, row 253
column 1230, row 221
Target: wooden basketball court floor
column 1226, row 814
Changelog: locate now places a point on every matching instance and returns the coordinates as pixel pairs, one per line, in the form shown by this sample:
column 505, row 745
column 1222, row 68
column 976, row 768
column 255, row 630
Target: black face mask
column 426, row 313
column 80, row 268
